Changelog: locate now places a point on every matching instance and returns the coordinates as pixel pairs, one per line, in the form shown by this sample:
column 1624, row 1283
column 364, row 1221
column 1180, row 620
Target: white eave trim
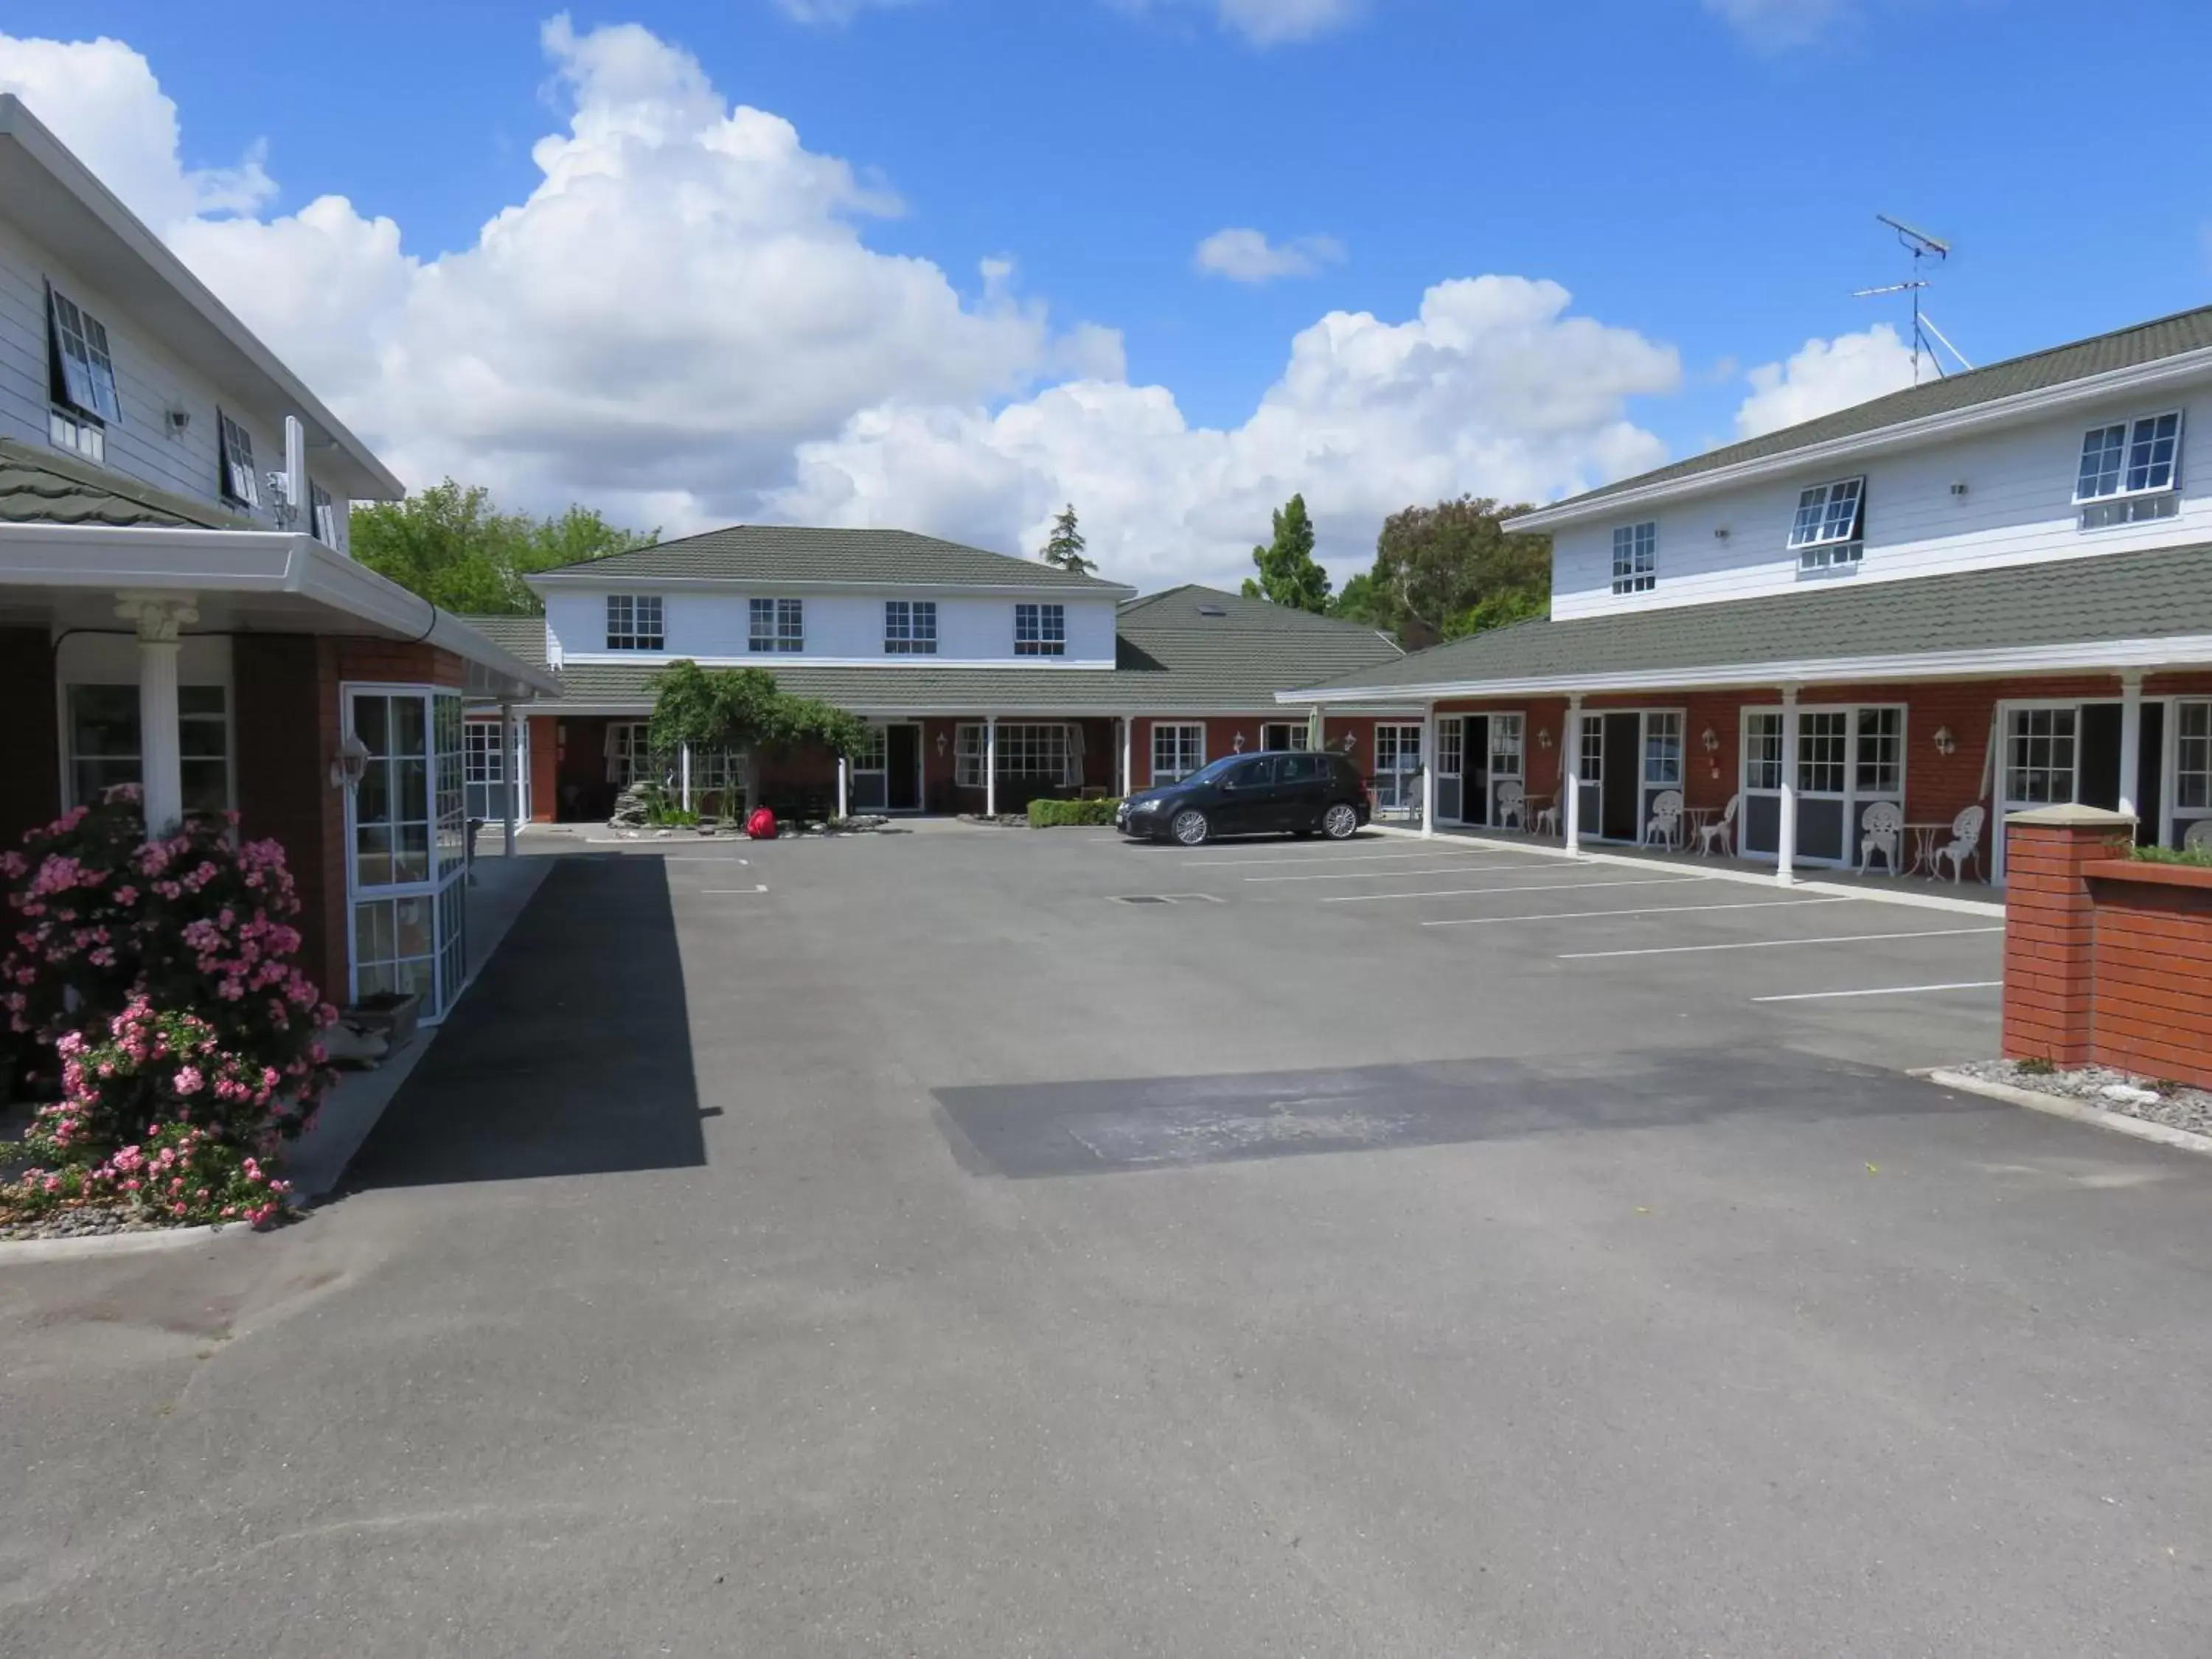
column 1997, row 412
column 616, row 583
column 249, row 561
column 1006, row 708
column 2175, row 652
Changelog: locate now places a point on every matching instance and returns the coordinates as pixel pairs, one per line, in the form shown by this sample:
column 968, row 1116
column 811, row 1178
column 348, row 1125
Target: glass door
column 871, row 772
column 408, row 833
column 1452, row 733
column 1508, row 738
column 1398, row 768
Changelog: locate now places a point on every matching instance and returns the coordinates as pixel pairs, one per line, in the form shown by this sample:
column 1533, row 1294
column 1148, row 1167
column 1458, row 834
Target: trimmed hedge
column 1068, row 814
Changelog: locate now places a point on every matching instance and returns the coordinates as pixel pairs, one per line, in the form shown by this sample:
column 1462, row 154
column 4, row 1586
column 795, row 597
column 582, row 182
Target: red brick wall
column 544, row 761
column 2106, row 962
column 31, row 771
column 287, row 726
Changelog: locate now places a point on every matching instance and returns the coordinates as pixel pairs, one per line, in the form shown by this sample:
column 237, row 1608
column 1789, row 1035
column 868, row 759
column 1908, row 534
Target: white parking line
column 732, row 892
column 1648, row 910
column 1320, row 856
column 1545, row 887
column 1887, row 991
column 1770, row 944
column 1402, row 875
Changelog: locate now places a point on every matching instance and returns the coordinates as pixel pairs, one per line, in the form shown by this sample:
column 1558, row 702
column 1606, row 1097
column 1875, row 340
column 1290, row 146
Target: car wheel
column 1190, row 828
column 1340, row 823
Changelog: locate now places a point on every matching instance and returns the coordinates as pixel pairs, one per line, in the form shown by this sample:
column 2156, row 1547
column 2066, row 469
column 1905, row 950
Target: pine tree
column 1065, row 551
column 1289, row 574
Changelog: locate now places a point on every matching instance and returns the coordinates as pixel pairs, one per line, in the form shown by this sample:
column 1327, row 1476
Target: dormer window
column 909, row 628
column 777, row 625
column 1040, row 630
column 1830, row 530
column 1635, row 557
column 636, row 621
column 234, row 459
column 2130, row 472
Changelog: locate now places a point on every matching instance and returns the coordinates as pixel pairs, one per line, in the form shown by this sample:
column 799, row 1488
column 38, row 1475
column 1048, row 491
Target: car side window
column 1298, row 768
column 1255, row 774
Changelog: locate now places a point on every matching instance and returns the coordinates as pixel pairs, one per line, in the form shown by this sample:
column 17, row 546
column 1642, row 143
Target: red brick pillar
column 2049, row 960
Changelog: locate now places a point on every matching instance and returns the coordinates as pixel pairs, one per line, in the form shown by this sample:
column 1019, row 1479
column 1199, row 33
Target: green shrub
column 2196, row 858
column 1070, row 814
column 2034, row 1065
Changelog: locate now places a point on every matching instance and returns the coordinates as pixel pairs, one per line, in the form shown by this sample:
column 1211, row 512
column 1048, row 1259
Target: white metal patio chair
column 1721, row 832
column 1666, row 823
column 1512, row 806
column 1547, row 818
column 1882, row 829
column 2199, row 837
column 1966, row 844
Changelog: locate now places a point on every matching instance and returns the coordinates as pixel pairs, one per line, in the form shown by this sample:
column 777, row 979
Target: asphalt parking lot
column 911, row 1246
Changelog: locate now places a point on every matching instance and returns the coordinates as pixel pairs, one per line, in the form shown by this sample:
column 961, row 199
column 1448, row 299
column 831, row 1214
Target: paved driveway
column 932, row 1255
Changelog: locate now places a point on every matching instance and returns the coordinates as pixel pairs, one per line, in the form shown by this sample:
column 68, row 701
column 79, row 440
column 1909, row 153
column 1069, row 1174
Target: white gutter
column 617, row 581
column 1012, row 709
column 1975, row 418
column 2177, row 651
column 246, row 563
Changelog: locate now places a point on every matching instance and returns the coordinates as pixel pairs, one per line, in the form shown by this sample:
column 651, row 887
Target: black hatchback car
column 1301, row 793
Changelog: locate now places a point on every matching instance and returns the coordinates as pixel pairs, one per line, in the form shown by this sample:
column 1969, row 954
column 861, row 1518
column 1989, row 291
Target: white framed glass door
column 1452, row 733
column 1398, row 767
column 484, row 757
column 2191, row 767
column 407, row 843
column 1848, row 758
column 871, row 771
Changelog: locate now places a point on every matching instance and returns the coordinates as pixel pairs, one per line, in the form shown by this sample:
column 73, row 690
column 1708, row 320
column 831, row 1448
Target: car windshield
column 1212, row 772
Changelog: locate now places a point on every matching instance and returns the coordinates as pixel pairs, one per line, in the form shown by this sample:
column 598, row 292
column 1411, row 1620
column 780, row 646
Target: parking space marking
column 1324, row 857
column 1542, row 887
column 1772, row 943
column 732, row 892
column 1647, row 910
column 1887, row 991
column 1403, row 875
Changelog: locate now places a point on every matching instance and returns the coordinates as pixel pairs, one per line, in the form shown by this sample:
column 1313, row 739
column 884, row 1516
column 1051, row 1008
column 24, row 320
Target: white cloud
column 683, row 325
column 1777, row 24
column 1492, row 388
column 1269, row 22
column 1823, row 376
column 836, row 13
column 1247, row 256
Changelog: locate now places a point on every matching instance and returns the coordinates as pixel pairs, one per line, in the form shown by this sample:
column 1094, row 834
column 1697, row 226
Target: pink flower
column 189, row 1080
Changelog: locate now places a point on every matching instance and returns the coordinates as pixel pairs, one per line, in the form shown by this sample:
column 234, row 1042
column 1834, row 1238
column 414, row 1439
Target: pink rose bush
column 155, row 982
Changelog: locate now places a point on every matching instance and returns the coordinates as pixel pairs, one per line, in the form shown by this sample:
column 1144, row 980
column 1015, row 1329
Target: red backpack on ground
column 761, row 826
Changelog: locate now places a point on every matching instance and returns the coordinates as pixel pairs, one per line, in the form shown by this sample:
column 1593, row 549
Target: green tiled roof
column 2126, row 348
column 1189, row 651
column 38, row 486
column 523, row 637
column 2160, row 594
column 777, row 553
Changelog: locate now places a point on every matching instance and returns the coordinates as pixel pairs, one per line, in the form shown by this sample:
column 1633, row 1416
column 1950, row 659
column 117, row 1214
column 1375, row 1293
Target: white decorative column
column 510, row 739
column 160, row 618
column 990, row 766
column 684, row 776
column 1317, row 728
column 1429, row 773
column 1570, row 775
column 843, row 791
column 2131, row 745
column 1785, row 851
column 1128, row 754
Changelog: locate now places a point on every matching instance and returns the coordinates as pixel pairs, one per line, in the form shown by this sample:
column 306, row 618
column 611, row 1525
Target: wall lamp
column 1544, row 737
column 1945, row 743
column 351, row 765
column 940, row 745
column 1712, row 741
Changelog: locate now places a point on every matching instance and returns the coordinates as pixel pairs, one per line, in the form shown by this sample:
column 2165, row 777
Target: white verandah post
column 990, row 766
column 160, row 618
column 683, row 775
column 2131, row 745
column 1128, row 754
column 1571, row 777
column 1429, row 773
column 842, row 795
column 1785, row 859
column 510, row 741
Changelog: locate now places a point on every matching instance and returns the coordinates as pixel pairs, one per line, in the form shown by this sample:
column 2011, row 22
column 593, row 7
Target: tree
column 1289, row 574
column 454, row 548
column 1065, row 549
column 1446, row 571
column 742, row 711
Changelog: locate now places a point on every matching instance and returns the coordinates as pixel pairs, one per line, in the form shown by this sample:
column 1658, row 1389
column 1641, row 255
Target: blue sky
column 1702, row 173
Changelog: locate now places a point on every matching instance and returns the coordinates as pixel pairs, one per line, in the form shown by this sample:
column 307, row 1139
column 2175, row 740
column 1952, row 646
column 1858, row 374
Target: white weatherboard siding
column 148, row 383
column 2018, row 508
column 714, row 624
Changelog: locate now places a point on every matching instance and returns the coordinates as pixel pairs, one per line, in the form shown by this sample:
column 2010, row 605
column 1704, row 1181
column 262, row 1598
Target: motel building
column 985, row 680
column 1864, row 639
column 177, row 607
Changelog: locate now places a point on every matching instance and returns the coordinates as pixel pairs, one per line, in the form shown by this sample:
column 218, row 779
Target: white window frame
column 1758, row 764
column 627, row 750
column 775, row 626
column 1664, row 768
column 322, row 515
column 83, row 367
column 1186, row 749
column 80, row 434
column 1282, row 737
column 484, row 764
column 443, row 886
column 1019, row 743
column 2007, row 773
column 1451, row 746
column 636, row 622
column 241, row 484
column 1819, row 539
column 73, row 794
column 2122, row 502
column 1635, row 557
column 1040, row 629
column 1396, row 786
column 909, row 628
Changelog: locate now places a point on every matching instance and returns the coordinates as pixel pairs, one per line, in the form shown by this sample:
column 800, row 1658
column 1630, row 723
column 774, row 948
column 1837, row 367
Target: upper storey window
column 81, row 376
column 1831, row 524
column 636, row 621
column 235, row 461
column 776, row 625
column 2130, row 472
column 323, row 515
column 909, row 628
column 1635, row 557
column 1040, row 630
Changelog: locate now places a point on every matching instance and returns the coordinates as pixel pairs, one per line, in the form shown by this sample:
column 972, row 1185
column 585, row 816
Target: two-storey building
column 985, row 679
column 177, row 608
column 1989, row 592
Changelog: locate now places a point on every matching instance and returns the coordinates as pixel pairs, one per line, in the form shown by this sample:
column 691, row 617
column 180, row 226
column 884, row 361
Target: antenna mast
column 1923, row 248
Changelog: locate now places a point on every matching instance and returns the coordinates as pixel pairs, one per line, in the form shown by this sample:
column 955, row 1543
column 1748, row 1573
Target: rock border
column 2079, row 1111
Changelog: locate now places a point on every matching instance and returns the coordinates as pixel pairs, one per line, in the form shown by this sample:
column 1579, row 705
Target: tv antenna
column 1926, row 250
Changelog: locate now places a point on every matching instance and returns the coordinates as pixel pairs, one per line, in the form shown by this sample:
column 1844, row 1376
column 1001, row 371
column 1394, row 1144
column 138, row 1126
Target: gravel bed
column 88, row 1223
column 2174, row 1104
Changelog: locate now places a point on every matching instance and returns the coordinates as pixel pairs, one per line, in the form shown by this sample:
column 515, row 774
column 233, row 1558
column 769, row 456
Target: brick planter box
column 2108, row 960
